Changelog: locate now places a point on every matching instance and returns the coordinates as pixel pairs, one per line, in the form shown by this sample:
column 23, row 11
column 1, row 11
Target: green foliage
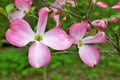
column 9, row 8
column 2, row 11
column 62, row 67
column 14, row 58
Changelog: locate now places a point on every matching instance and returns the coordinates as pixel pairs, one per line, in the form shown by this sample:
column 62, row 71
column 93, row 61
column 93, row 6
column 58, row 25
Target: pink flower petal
column 29, row 1
column 57, row 39
column 56, row 18
column 16, row 14
column 116, row 7
column 72, row 2
column 118, row 2
column 72, row 39
column 78, row 30
column 43, row 16
column 100, row 37
column 57, row 5
column 23, row 4
column 20, row 33
column 61, row 2
column 89, row 55
column 102, row 4
column 39, row 55
column 114, row 19
column 100, row 23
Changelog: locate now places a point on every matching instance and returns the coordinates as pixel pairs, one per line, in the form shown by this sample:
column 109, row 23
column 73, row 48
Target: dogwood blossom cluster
column 20, row 33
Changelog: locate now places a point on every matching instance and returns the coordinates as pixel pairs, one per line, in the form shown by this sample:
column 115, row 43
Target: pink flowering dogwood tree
column 80, row 29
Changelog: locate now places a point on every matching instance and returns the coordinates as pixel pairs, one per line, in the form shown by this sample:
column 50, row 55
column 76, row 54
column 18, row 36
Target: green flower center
column 38, row 37
column 25, row 12
column 80, row 42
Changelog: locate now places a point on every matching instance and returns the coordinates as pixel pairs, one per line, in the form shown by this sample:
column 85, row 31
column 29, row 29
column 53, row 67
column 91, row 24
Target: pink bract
column 114, row 19
column 56, row 18
column 117, row 7
column 100, row 23
column 89, row 54
column 102, row 4
column 20, row 34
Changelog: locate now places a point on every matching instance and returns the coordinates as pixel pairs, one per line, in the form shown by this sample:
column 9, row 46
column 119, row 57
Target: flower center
column 25, row 12
column 80, row 42
column 38, row 37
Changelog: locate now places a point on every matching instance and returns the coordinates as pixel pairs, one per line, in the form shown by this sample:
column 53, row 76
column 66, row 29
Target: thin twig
column 70, row 52
column 45, row 73
column 88, row 9
column 49, row 4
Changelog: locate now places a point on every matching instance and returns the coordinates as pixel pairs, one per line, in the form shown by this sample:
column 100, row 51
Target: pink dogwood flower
column 102, row 4
column 100, row 23
column 117, row 7
column 20, row 34
column 23, row 7
column 89, row 54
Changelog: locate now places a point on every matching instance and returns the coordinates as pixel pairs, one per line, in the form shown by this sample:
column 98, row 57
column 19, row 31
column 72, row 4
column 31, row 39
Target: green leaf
column 116, row 28
column 32, row 10
column 9, row 8
column 2, row 11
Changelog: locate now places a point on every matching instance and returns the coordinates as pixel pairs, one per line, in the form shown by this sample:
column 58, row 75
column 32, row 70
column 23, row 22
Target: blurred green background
column 67, row 65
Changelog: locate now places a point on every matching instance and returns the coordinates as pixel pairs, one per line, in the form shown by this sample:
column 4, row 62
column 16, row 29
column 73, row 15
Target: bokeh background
column 64, row 65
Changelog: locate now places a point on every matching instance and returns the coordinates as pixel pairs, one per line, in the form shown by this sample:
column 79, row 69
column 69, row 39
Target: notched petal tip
column 42, row 21
column 78, row 30
column 100, row 37
column 23, row 4
column 20, row 33
column 43, row 10
column 89, row 55
column 103, row 36
column 15, row 39
column 39, row 55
